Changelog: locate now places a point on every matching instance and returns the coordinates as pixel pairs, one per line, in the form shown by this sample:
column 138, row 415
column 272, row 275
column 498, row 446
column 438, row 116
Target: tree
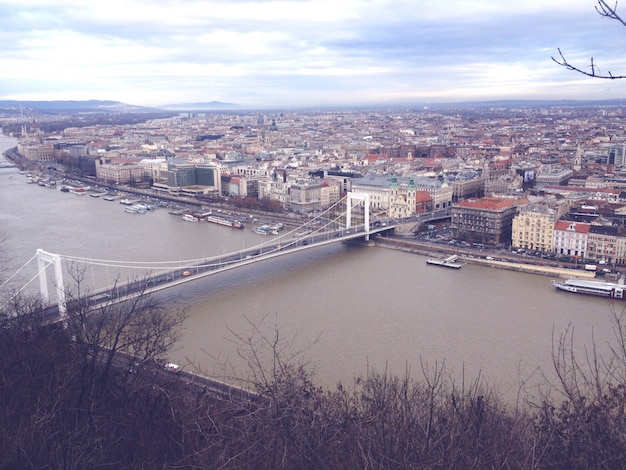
column 90, row 391
column 606, row 11
column 585, row 426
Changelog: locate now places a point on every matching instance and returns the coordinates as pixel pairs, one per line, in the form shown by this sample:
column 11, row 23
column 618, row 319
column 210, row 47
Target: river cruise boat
column 611, row 290
column 222, row 221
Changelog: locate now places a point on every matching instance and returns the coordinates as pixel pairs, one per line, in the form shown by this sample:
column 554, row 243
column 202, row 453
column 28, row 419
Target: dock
column 447, row 262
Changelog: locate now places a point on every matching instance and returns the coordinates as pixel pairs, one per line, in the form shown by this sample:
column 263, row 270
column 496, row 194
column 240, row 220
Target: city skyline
column 312, row 53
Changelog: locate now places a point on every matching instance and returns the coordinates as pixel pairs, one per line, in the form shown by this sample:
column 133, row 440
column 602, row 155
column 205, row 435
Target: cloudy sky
column 305, row 52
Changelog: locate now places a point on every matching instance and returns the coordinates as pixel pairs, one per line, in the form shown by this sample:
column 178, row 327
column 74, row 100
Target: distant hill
column 210, row 106
column 58, row 106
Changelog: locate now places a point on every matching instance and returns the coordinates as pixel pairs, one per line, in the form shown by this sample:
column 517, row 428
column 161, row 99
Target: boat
column 98, row 194
column 136, row 209
column 65, row 189
column 448, row 262
column 80, row 191
column 612, row 290
column 109, row 198
column 129, row 202
column 222, row 221
column 189, row 218
column 265, row 230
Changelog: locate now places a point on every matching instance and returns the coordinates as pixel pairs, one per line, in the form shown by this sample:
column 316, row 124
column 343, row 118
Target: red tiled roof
column 488, row 203
column 566, row 225
column 422, row 196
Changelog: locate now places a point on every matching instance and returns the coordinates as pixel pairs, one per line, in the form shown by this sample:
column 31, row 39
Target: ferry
column 222, row 221
column 612, row 290
column 448, row 262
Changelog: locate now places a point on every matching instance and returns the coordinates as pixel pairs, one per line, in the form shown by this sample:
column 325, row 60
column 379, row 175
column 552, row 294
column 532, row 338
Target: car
column 171, row 367
column 186, row 273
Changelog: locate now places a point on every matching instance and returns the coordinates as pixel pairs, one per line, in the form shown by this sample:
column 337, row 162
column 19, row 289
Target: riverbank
column 510, row 263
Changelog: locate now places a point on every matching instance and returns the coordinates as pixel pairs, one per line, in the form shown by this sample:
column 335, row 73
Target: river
column 349, row 308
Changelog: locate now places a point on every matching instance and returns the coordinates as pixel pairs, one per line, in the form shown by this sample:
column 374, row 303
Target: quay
column 511, row 263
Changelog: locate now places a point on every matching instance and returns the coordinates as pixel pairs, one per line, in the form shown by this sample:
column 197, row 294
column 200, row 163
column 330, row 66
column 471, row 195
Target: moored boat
column 613, row 290
column 129, row 202
column 189, row 218
column 136, row 209
column 265, row 230
column 222, row 221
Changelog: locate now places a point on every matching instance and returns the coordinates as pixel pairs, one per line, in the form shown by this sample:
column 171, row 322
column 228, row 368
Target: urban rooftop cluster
column 549, row 179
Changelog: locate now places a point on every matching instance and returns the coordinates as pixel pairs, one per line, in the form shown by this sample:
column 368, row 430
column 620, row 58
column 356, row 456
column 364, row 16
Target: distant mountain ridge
column 74, row 106
column 105, row 106
column 110, row 106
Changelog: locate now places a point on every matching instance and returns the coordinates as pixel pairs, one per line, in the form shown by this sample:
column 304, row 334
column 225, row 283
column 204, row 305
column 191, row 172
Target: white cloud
column 318, row 51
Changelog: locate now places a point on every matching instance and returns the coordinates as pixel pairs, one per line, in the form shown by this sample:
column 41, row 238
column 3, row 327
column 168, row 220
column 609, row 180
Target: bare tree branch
column 593, row 71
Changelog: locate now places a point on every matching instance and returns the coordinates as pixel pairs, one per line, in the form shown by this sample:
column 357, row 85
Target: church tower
column 411, row 197
column 578, row 159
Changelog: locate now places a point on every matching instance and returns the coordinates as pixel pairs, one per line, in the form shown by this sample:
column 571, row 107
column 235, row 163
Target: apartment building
column 486, row 220
column 304, row 196
column 119, row 171
column 570, row 238
column 602, row 242
column 533, row 228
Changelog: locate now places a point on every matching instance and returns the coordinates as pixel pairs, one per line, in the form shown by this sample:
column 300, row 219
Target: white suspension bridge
column 153, row 276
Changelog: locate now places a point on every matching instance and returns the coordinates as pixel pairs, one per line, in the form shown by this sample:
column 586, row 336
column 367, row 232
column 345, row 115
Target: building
column 304, row 196
column 119, row 171
column 533, row 228
column 466, row 185
column 487, row 220
column 570, row 238
column 193, row 178
column 380, row 191
column 602, row 243
column 554, row 176
column 617, row 155
column 403, row 203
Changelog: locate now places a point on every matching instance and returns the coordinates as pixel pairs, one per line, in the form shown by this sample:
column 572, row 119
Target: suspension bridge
column 326, row 228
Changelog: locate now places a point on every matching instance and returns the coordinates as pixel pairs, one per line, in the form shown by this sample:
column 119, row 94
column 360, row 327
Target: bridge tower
column 366, row 202
column 43, row 258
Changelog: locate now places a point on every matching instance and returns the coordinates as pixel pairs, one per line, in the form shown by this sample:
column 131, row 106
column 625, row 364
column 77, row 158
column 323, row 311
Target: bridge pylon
column 43, row 257
column 366, row 202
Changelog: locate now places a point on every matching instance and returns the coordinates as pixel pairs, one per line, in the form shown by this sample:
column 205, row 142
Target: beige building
column 305, row 196
column 606, row 243
column 122, row 172
column 533, row 228
column 35, row 151
column 330, row 192
column 380, row 192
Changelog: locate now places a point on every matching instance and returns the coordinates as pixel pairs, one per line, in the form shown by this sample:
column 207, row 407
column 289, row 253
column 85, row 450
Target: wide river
column 349, row 308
